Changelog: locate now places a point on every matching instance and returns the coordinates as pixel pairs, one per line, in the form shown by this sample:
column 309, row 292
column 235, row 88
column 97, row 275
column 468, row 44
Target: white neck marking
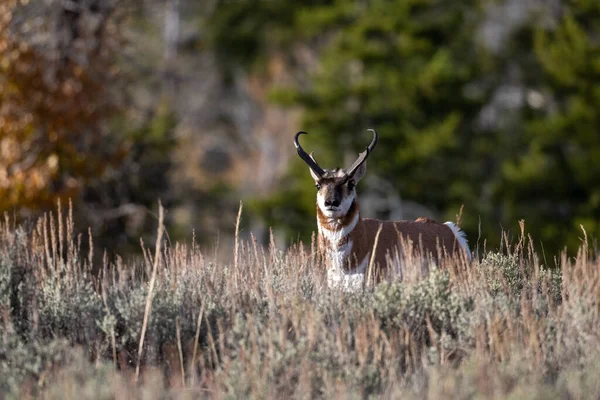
column 335, row 237
column 339, row 255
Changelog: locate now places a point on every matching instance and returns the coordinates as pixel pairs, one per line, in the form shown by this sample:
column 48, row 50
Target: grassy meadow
column 511, row 324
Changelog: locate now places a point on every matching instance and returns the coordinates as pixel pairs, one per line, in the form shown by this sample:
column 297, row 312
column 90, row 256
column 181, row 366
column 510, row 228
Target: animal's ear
column 360, row 172
column 315, row 176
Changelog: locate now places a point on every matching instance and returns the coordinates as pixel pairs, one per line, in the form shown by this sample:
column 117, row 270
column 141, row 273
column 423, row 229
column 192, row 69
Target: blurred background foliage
column 493, row 105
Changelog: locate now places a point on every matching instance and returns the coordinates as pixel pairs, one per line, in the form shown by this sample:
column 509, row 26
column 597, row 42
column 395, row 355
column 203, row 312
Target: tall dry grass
column 266, row 326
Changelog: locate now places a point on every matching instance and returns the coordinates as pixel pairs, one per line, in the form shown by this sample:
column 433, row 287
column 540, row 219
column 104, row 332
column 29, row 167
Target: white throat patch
column 336, row 236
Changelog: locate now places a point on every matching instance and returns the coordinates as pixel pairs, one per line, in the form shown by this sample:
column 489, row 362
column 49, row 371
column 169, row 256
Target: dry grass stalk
column 150, row 289
column 372, row 260
column 60, row 231
column 196, row 340
column 179, row 349
column 236, row 250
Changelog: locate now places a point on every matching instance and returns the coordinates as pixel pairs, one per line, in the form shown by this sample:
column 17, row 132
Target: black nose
column 332, row 203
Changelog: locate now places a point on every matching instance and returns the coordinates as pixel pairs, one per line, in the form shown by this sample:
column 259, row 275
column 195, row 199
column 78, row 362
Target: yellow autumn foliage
column 52, row 109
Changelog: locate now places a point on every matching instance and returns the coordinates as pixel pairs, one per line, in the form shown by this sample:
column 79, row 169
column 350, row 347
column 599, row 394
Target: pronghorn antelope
column 347, row 240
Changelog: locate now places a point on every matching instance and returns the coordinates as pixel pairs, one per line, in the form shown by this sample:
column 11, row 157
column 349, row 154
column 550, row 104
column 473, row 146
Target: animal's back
column 426, row 235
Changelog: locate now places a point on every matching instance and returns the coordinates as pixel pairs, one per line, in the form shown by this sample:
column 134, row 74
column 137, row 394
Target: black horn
column 362, row 157
column 306, row 157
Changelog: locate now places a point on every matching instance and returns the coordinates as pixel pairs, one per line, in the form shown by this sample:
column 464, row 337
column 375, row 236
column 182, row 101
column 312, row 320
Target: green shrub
column 502, row 327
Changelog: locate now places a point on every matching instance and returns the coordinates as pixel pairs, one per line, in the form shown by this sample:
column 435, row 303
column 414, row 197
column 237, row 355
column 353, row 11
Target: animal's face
column 336, row 191
column 336, row 188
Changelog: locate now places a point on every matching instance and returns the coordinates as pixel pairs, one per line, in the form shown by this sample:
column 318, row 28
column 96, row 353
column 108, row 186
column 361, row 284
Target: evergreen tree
column 510, row 134
column 412, row 70
column 552, row 180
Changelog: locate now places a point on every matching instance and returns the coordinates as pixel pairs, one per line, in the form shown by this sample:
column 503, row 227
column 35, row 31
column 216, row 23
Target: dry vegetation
column 266, row 326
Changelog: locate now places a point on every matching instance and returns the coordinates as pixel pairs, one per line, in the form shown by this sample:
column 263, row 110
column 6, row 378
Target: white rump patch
column 461, row 237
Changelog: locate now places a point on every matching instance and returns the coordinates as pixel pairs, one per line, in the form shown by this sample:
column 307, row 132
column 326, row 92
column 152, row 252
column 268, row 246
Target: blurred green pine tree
column 403, row 67
column 510, row 134
column 553, row 179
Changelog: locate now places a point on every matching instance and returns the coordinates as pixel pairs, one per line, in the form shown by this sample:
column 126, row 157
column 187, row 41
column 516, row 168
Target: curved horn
column 362, row 157
column 306, row 157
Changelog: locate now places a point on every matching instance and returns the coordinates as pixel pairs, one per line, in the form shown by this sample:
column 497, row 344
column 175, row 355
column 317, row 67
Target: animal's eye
column 318, row 186
column 351, row 185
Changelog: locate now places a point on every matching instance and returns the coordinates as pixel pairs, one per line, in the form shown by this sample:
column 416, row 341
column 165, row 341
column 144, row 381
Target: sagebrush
column 266, row 326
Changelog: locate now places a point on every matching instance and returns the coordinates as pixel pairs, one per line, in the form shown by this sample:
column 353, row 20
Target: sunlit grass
column 266, row 326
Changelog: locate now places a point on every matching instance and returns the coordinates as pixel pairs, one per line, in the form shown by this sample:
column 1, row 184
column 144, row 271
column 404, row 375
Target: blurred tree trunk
column 170, row 40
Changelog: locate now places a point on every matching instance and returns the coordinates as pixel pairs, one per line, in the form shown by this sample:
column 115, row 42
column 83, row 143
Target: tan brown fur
column 428, row 238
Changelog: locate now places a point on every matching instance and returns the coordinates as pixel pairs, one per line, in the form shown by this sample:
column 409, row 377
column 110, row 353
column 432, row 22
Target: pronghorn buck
column 348, row 241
